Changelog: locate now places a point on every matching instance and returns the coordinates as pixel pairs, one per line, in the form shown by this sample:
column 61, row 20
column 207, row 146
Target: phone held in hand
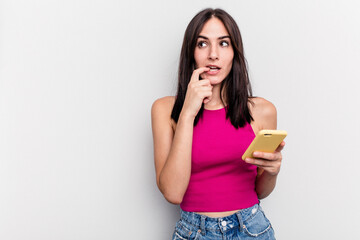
column 265, row 141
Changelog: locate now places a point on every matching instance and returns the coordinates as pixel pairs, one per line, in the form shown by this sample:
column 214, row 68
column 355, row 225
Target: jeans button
column 223, row 223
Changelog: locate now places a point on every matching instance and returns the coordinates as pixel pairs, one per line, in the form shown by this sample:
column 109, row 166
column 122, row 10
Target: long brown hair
column 237, row 85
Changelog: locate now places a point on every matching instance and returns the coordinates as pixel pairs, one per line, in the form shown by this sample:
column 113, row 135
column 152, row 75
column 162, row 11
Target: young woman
column 201, row 133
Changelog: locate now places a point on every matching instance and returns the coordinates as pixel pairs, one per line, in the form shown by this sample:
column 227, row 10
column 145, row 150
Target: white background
column 77, row 81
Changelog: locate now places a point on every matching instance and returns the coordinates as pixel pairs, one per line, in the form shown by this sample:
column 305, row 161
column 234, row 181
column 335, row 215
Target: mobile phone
column 265, row 141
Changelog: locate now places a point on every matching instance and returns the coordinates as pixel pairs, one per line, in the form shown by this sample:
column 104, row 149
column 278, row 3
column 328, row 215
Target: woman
column 202, row 132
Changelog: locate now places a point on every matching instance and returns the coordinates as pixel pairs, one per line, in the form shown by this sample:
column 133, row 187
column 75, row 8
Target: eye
column 224, row 43
column 201, row 44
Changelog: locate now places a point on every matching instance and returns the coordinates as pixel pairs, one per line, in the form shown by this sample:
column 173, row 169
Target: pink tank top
column 220, row 180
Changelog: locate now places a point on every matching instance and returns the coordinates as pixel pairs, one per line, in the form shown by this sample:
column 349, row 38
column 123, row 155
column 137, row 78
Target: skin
column 173, row 141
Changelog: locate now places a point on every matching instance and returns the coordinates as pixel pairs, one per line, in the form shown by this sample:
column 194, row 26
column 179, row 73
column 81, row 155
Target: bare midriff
column 218, row 214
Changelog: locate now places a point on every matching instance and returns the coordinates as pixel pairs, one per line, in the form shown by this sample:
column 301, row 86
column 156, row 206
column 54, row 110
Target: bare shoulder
column 264, row 113
column 163, row 105
column 162, row 108
column 261, row 106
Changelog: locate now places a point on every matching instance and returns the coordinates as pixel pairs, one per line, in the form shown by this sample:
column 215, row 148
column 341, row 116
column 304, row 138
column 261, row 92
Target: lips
column 214, row 69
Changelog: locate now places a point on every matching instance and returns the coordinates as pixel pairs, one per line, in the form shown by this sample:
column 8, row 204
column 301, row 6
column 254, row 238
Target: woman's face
column 214, row 50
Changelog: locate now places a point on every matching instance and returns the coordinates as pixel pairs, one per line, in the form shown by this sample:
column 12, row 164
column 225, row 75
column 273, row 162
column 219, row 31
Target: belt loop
column 238, row 214
column 202, row 225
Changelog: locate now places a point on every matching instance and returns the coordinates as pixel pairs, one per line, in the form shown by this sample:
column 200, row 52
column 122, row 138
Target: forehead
column 214, row 28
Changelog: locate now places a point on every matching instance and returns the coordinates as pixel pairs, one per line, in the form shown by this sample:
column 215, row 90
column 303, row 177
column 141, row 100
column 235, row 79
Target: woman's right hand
column 198, row 92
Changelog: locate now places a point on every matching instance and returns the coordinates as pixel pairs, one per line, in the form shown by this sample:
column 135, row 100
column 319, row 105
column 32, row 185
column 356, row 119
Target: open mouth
column 213, row 68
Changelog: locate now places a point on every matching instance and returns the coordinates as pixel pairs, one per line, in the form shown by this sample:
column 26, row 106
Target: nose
column 213, row 54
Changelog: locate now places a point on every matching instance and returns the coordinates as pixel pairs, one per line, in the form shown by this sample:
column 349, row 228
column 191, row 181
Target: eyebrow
column 222, row 37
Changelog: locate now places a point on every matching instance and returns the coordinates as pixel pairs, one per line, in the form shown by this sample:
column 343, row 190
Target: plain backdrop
column 77, row 82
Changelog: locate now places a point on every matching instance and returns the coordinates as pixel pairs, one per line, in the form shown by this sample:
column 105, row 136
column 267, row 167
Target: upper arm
column 265, row 117
column 264, row 114
column 162, row 132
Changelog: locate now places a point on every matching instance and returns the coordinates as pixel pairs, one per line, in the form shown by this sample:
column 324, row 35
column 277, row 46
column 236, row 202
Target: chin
column 215, row 80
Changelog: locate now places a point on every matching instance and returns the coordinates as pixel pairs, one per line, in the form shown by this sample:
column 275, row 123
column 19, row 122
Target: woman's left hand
column 269, row 162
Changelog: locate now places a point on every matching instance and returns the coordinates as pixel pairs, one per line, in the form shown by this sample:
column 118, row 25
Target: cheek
column 199, row 57
column 230, row 60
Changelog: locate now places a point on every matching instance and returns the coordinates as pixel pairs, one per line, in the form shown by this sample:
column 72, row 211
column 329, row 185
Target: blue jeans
column 248, row 223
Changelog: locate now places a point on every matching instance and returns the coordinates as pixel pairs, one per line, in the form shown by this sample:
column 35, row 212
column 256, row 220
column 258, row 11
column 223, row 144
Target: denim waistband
column 219, row 223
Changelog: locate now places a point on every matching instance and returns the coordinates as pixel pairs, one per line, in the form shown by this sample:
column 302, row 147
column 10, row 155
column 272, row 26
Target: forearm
column 175, row 175
column 265, row 184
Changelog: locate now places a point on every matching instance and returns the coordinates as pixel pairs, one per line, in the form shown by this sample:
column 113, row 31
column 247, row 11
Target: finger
column 259, row 162
column 280, row 147
column 204, row 82
column 207, row 88
column 207, row 99
column 267, row 156
column 197, row 72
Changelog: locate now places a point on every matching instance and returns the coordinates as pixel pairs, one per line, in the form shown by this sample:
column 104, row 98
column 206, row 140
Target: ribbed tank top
column 220, row 180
